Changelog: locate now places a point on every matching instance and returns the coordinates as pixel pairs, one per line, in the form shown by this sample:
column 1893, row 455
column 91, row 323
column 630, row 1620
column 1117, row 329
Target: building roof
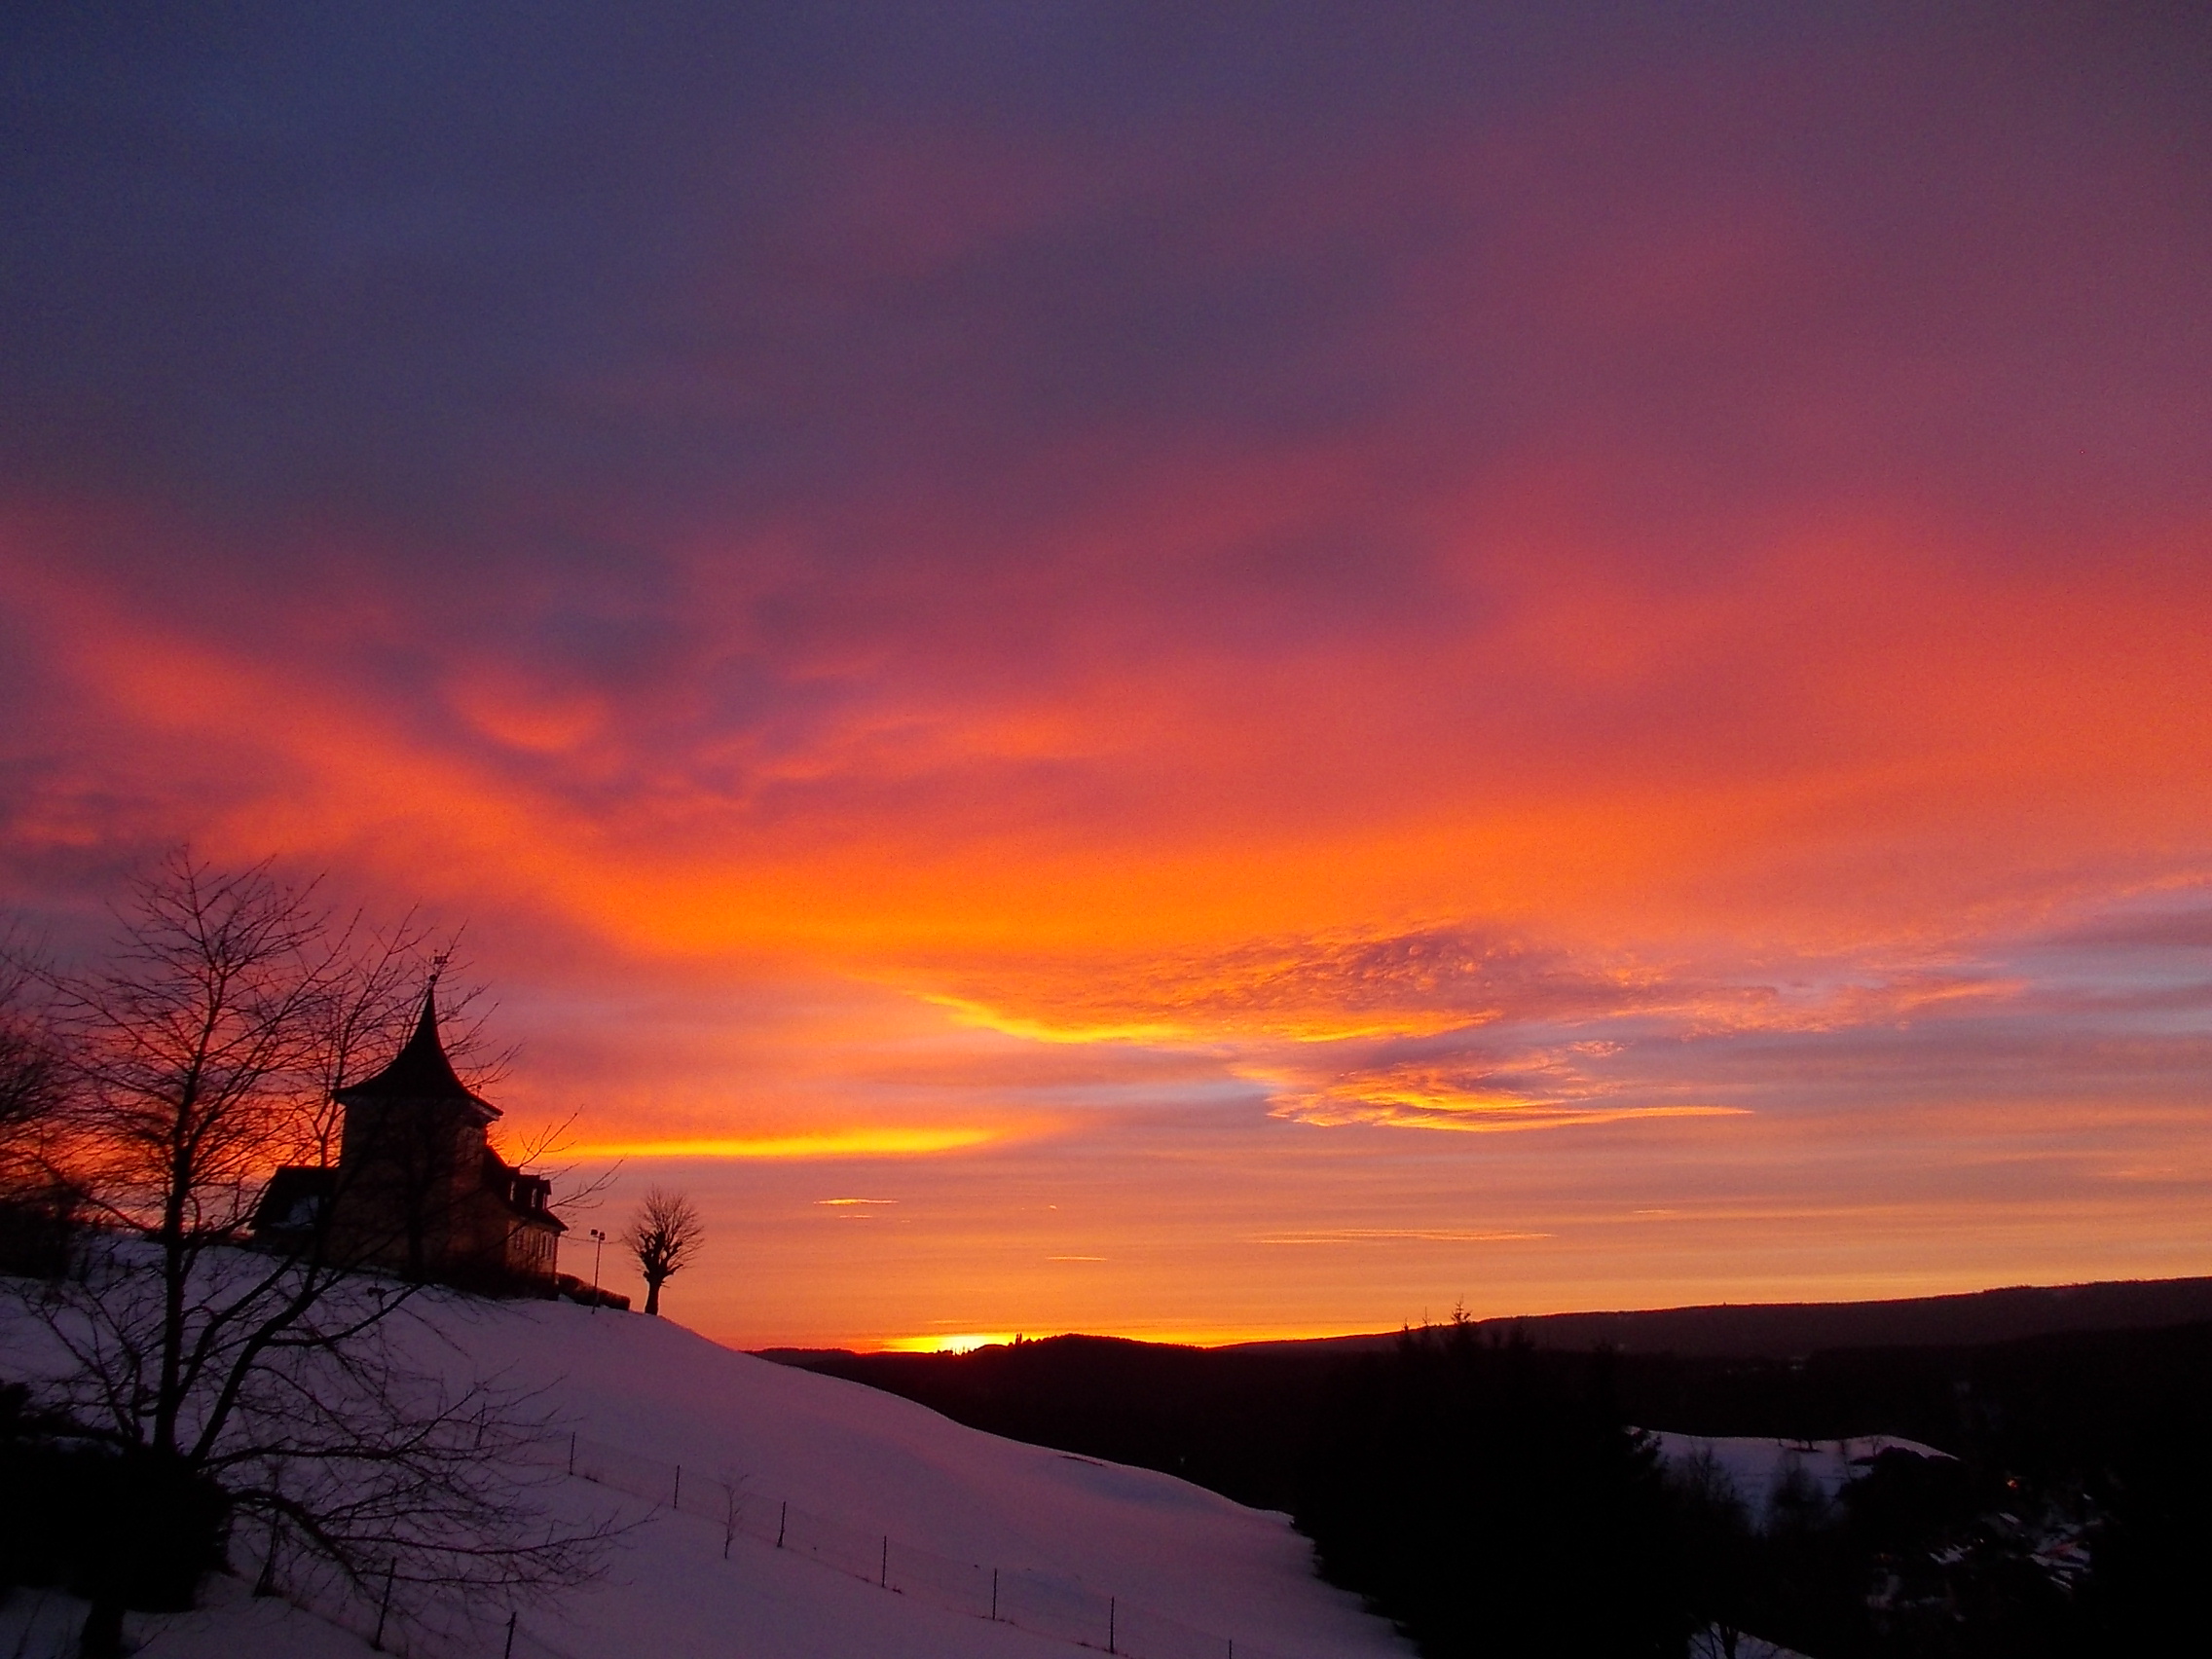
column 294, row 1198
column 420, row 1071
column 530, row 1197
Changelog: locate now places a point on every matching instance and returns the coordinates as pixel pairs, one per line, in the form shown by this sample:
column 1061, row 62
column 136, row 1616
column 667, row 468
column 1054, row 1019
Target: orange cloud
column 843, row 1143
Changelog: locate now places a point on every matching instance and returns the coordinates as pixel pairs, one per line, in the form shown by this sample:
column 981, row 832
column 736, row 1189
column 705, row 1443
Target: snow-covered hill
column 1206, row 1573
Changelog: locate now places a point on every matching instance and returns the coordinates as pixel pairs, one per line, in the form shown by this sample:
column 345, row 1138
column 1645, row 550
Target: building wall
column 531, row 1249
column 412, row 1198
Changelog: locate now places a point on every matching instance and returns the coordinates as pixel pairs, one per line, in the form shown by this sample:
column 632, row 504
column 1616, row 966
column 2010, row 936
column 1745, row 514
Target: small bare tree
column 280, row 1383
column 664, row 1234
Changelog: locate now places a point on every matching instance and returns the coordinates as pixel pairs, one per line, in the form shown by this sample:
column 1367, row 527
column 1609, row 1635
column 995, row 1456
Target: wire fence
column 446, row 1626
column 1048, row 1605
column 1045, row 1603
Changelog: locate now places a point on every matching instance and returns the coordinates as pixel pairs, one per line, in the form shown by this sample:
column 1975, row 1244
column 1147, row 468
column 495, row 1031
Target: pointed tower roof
column 420, row 1071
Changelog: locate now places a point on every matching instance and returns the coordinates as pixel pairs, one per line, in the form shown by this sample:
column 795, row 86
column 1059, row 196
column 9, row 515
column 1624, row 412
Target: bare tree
column 1717, row 1563
column 30, row 1073
column 664, row 1234
column 37, row 1203
column 193, row 1054
column 280, row 1384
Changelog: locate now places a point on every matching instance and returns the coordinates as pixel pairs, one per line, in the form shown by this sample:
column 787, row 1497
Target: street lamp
column 598, row 1244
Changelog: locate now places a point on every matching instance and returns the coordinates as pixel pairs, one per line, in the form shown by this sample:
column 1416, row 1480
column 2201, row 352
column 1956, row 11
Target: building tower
column 418, row 1189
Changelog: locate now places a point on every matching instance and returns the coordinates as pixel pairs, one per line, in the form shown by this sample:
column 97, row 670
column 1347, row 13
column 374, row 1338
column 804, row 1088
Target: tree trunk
column 652, row 1296
column 266, row 1584
column 103, row 1636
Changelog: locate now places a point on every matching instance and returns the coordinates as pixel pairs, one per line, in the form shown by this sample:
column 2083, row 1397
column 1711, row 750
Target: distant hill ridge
column 1239, row 1419
column 1787, row 1330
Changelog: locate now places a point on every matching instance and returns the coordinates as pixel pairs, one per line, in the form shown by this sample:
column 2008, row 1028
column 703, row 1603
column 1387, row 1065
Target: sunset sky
column 1196, row 672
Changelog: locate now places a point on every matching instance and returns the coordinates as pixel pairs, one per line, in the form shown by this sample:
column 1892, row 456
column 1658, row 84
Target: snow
column 43, row 1624
column 1188, row 1570
column 1758, row 1467
column 1707, row 1645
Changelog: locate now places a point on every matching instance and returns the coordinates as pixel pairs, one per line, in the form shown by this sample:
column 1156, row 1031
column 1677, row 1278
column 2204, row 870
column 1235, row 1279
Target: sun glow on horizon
column 947, row 1341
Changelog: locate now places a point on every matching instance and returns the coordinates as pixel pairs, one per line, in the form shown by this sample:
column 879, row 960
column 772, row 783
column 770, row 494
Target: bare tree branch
column 574, row 1192
column 180, row 1068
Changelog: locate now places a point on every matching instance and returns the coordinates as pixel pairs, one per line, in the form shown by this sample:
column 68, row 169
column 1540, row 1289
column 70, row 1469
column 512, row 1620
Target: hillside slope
column 1187, row 1559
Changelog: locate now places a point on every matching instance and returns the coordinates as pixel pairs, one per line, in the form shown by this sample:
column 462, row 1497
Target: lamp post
column 598, row 1244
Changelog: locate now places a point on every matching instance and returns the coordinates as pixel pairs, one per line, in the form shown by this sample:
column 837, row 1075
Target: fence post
column 377, row 1640
column 509, row 1654
column 783, row 1527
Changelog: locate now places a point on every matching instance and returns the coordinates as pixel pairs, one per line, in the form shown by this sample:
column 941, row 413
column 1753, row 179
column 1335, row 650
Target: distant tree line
column 1490, row 1501
column 1494, row 1500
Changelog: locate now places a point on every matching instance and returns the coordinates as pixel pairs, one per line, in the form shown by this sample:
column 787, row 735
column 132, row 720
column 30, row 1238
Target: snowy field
column 1758, row 1467
column 1184, row 1571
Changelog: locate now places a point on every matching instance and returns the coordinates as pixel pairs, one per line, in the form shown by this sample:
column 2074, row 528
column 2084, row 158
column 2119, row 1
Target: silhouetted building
column 36, row 1226
column 417, row 1188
